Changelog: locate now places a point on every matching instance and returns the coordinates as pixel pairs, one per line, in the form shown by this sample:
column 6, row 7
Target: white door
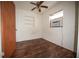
column 24, row 25
column 57, row 34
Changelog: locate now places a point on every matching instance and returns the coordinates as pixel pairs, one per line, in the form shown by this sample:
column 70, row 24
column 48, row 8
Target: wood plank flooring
column 40, row 48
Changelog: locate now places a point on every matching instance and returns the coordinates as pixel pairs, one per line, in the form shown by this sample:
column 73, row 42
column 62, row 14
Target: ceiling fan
column 38, row 5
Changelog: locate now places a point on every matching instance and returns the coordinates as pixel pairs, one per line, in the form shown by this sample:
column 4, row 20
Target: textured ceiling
column 27, row 6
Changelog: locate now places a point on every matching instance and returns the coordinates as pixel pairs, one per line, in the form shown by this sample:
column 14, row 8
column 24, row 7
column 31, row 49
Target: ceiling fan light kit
column 38, row 5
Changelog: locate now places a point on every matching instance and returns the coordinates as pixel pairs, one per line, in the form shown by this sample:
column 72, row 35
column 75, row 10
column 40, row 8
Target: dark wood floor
column 40, row 48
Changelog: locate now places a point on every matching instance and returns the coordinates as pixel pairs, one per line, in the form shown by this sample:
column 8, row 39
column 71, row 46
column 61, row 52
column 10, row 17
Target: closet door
column 8, row 28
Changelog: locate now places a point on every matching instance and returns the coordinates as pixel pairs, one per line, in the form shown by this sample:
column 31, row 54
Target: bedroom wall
column 78, row 34
column 61, row 36
column 25, row 31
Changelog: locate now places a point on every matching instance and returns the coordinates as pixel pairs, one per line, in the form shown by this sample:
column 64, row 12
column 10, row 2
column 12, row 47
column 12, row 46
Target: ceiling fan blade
column 39, row 10
column 32, row 3
column 40, row 3
column 33, row 8
column 44, row 6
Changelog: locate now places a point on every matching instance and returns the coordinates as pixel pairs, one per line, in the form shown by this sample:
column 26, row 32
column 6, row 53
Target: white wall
column 78, row 44
column 78, row 33
column 65, row 36
column 25, row 31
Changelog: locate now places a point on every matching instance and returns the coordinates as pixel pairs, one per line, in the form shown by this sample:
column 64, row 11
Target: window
column 56, row 20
